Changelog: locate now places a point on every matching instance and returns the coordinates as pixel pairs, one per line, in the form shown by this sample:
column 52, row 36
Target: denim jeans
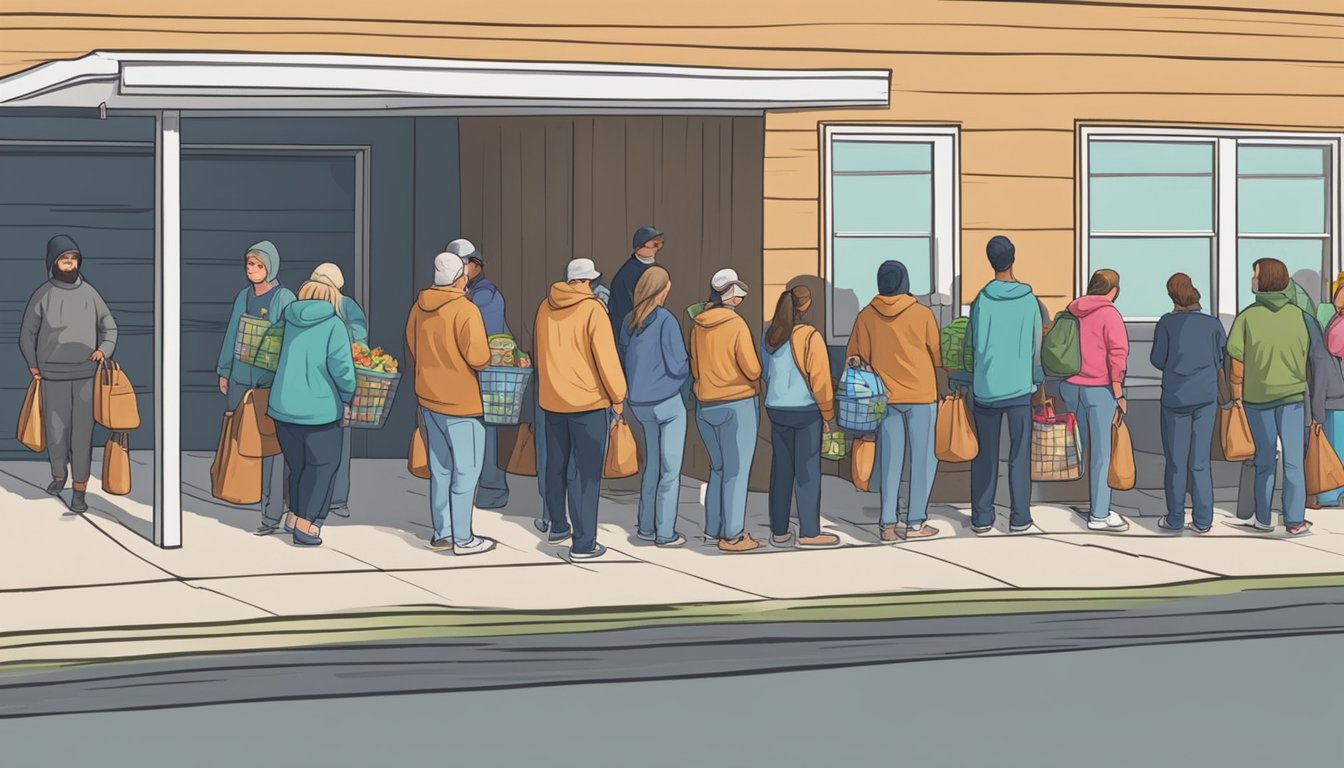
column 1269, row 426
column 913, row 427
column 273, row 468
column 1095, row 408
column 985, row 466
column 1187, row 438
column 539, row 443
column 1334, row 432
column 578, row 441
column 664, row 442
column 340, row 491
column 455, row 445
column 729, row 433
column 795, row 470
column 494, row 490
column 313, row 453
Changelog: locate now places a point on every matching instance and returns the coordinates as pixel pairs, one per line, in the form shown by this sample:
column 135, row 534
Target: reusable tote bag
column 235, row 478
column 954, row 438
column 622, row 453
column 1120, row 476
column 1235, row 432
column 256, row 430
column 32, row 432
column 117, row 464
column 523, row 460
column 417, row 456
column 114, row 403
column 861, row 460
column 1056, row 452
column 1323, row 468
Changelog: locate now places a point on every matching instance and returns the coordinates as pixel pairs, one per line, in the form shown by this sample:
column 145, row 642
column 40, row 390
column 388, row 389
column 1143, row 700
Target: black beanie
column 1001, row 253
column 60, row 245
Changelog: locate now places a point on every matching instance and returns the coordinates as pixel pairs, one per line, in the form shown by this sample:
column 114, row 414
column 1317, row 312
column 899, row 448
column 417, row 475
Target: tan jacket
column 445, row 340
column 577, row 366
column 809, row 354
column 724, row 362
column 898, row 337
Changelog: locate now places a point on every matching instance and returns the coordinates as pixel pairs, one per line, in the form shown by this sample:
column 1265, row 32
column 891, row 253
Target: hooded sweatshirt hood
column 1102, row 342
column 1086, row 305
column 893, row 279
column 60, row 245
column 891, row 306
column 270, row 256
column 714, row 316
column 1276, row 300
column 308, row 312
column 564, row 295
column 999, row 290
column 436, row 298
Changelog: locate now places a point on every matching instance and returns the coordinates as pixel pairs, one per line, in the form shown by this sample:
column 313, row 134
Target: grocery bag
column 256, row 429
column 622, row 453
column 1120, row 476
column 1235, row 432
column 417, row 458
column 1056, row 451
column 833, row 446
column 32, row 432
column 117, row 464
column 234, row 478
column 861, row 462
column 1323, row 468
column 954, row 439
column 114, row 404
column 523, row 460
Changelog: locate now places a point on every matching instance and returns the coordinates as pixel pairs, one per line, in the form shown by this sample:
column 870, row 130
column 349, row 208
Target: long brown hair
column 1273, row 275
column 652, row 283
column 788, row 313
column 1183, row 293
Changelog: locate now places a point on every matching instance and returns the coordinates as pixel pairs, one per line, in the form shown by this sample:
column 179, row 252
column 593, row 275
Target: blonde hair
column 315, row 291
column 652, row 283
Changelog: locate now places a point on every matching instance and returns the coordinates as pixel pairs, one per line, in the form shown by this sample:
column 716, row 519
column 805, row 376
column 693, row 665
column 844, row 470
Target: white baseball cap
column 582, row 269
column 726, row 279
column 464, row 249
column 448, row 267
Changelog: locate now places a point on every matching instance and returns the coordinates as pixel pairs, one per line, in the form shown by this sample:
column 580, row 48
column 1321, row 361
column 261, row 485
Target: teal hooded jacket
column 316, row 378
column 1005, row 334
column 274, row 302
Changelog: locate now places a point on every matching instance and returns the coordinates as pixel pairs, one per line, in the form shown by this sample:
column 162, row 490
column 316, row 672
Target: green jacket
column 1270, row 338
column 316, row 378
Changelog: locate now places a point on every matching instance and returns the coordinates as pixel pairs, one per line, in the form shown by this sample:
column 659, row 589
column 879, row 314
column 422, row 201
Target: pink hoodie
column 1103, row 341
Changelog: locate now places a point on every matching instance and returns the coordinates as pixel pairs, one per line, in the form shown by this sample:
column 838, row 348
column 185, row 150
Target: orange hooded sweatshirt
column 723, row 359
column 898, row 337
column 445, row 339
column 577, row 367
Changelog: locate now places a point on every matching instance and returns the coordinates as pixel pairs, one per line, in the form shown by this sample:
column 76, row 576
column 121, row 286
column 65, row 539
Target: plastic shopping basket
column 503, row 392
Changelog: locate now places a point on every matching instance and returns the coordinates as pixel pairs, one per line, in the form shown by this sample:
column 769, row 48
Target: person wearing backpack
column 1096, row 391
column 1329, row 399
column 1005, row 339
column 800, row 402
column 1188, row 348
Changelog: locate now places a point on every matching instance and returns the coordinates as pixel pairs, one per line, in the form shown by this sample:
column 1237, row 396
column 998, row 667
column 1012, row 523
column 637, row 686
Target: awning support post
column 168, row 330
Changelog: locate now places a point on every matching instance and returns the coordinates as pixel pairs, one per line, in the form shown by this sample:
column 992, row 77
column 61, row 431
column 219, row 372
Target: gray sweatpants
column 67, row 412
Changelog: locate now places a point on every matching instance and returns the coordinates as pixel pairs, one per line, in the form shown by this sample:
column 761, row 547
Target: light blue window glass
column 1145, row 264
column 901, row 203
column 1281, row 190
column 870, row 156
column 1277, row 160
column 1305, row 260
column 1150, row 157
column 1151, row 203
column 854, row 272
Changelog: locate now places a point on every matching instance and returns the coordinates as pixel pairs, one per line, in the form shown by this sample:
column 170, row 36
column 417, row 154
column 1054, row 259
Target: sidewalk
column 99, row 572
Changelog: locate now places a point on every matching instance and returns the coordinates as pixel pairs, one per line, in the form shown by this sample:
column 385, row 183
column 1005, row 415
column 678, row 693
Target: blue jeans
column 456, row 446
column 729, row 433
column 1187, row 437
column 1334, row 432
column 571, row 478
column 1095, row 408
column 312, row 453
column 1269, row 426
column 795, row 470
column 913, row 426
column 985, row 466
column 575, row 442
column 664, row 442
column 494, row 490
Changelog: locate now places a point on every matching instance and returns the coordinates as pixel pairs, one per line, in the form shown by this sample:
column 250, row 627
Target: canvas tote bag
column 1323, row 468
column 235, row 478
column 417, row 456
column 523, row 460
column 954, row 438
column 622, row 453
column 32, row 431
column 117, row 464
column 114, row 404
column 256, row 430
column 1056, row 452
column 1120, row 475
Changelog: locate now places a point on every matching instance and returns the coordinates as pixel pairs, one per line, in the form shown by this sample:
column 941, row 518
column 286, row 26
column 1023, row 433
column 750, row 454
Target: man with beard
column 67, row 332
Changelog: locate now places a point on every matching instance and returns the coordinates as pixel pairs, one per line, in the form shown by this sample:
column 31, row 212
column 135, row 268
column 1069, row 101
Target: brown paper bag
column 256, row 430
column 235, row 478
column 1120, row 476
column 862, row 456
column 417, row 457
column 622, row 453
column 955, row 439
column 114, row 404
column 32, row 432
column 1323, row 468
column 1235, row 432
column 523, row 460
column 117, row 464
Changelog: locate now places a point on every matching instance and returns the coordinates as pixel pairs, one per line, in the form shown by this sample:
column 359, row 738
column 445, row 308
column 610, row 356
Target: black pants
column 580, row 439
column 985, row 465
column 313, row 455
column 796, row 464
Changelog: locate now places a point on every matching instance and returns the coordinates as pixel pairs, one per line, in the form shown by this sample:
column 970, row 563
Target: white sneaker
column 1112, row 523
column 476, row 546
column 1259, row 526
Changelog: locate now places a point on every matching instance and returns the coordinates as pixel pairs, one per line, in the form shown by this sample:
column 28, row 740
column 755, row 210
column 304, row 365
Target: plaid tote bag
column 1056, row 451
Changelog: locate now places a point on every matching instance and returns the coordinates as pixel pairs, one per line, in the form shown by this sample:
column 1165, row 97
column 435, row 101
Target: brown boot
column 889, row 533
column 743, row 543
column 820, row 541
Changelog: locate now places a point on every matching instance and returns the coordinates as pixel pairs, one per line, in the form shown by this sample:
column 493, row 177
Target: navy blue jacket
column 490, row 301
column 1189, row 348
column 656, row 361
column 623, row 285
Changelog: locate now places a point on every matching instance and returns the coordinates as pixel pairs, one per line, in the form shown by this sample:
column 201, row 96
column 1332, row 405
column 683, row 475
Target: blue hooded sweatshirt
column 316, row 378
column 1006, row 335
column 657, row 365
column 490, row 302
column 269, row 305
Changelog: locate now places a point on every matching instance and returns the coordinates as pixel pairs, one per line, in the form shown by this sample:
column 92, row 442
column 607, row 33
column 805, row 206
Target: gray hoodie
column 65, row 322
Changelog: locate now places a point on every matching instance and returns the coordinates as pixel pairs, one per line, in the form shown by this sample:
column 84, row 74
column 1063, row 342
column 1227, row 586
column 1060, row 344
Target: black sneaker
column 267, row 529
column 559, row 538
column 77, row 502
column 56, row 487
column 340, row 511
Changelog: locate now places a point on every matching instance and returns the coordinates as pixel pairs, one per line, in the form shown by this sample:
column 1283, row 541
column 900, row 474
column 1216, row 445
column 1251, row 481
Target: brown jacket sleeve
column 816, row 368
column 410, row 337
column 747, row 359
column 471, row 339
column 606, row 360
column 860, row 345
column 933, row 342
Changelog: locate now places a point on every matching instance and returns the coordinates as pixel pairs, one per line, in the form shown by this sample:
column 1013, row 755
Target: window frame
column 945, row 231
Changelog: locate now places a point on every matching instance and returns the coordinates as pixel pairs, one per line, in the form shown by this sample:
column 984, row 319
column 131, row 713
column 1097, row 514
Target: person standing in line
column 445, row 339
column 579, row 381
column 493, row 492
column 647, row 241
column 357, row 323
column 1005, row 338
column 1270, row 346
column 657, row 365
column 898, row 337
column 1188, row 348
column 66, row 333
column 1328, row 398
column 313, row 387
column 800, row 401
column 1097, row 391
column 727, row 375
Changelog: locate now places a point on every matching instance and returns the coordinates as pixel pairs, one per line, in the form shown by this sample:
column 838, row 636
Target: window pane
column 881, row 156
column 1305, row 260
column 854, row 272
column 1151, row 204
column 1294, row 160
column 1145, row 264
column 1157, row 157
column 882, row 203
column 1282, row 206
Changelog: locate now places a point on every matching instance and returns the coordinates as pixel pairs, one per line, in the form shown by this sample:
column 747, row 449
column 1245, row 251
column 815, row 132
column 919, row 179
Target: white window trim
column 946, row 141
column 1225, row 232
